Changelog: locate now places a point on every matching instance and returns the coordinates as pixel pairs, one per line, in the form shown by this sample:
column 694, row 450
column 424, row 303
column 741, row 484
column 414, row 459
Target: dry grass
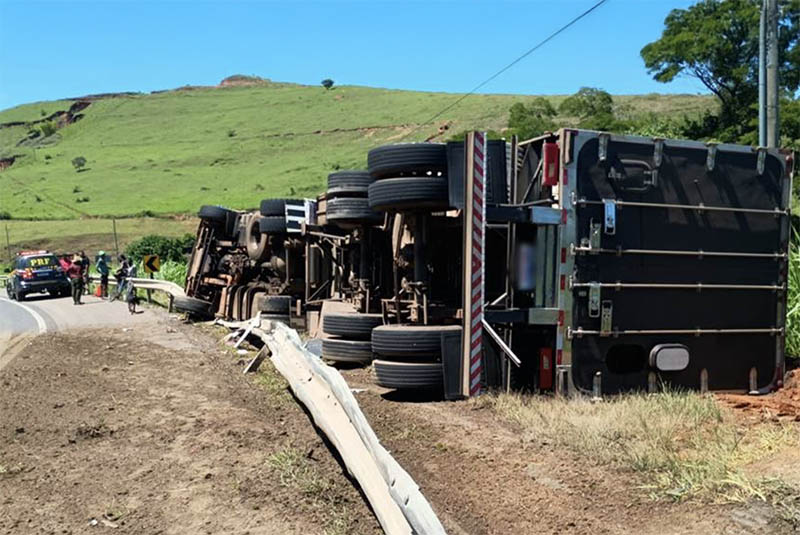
column 296, row 471
column 682, row 445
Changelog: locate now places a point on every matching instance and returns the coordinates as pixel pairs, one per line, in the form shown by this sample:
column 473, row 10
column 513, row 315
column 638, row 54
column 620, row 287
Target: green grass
column 682, row 445
column 171, row 152
column 87, row 234
column 33, row 111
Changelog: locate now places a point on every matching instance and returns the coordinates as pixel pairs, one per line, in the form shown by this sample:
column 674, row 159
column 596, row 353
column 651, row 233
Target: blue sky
column 59, row 49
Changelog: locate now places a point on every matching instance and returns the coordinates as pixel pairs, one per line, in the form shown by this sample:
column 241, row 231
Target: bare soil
column 102, row 431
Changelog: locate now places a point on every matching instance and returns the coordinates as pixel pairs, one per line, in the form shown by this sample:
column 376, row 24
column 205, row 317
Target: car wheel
column 402, row 375
column 410, row 193
column 404, row 341
column 337, row 350
column 406, row 159
column 351, row 326
column 193, row 306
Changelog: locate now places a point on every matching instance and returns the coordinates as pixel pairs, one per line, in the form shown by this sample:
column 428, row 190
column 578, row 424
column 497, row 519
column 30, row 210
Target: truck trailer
column 577, row 261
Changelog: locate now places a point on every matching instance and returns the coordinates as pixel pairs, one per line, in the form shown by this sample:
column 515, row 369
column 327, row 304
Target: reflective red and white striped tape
column 478, row 225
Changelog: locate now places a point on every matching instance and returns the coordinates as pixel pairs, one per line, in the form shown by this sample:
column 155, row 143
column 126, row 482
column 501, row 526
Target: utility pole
column 762, row 76
column 773, row 124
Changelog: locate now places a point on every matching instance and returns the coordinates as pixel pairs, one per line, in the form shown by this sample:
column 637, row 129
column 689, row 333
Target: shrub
column 79, row 163
column 48, row 128
column 4, row 215
column 327, row 83
column 168, row 249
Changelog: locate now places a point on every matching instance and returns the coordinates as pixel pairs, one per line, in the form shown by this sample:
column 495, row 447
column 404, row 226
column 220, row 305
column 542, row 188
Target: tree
column 78, row 163
column 327, row 83
column 593, row 107
column 716, row 41
column 533, row 119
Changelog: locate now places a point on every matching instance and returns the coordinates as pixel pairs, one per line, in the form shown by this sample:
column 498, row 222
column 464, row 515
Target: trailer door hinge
column 711, row 157
column 595, row 236
column 607, row 308
column 602, row 147
column 762, row 158
column 610, row 216
column 658, row 151
column 594, row 299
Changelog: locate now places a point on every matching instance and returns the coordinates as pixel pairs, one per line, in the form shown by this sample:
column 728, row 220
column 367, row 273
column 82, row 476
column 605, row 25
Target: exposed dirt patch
column 484, row 476
column 102, row 429
column 783, row 404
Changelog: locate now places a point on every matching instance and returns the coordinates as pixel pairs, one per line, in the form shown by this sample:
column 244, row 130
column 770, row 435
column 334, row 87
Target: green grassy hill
column 170, row 152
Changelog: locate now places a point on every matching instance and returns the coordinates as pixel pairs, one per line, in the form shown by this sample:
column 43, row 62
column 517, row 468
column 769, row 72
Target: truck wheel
column 255, row 240
column 272, row 224
column 273, row 207
column 410, row 193
column 351, row 210
column 214, row 213
column 274, row 304
column 402, row 375
column 403, row 341
column 193, row 306
column 349, row 183
column 283, row 318
column 405, row 159
column 346, row 350
column 351, row 326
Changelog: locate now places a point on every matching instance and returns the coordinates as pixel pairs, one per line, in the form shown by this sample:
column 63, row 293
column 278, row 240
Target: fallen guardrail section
column 395, row 498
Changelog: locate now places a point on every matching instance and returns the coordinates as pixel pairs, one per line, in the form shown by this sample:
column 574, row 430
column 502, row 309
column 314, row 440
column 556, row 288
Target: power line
column 504, row 69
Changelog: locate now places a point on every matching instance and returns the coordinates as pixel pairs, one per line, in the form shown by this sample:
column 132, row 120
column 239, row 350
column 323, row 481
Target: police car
column 36, row 272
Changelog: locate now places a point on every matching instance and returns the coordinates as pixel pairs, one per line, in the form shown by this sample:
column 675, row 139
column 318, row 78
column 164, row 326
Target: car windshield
column 39, row 262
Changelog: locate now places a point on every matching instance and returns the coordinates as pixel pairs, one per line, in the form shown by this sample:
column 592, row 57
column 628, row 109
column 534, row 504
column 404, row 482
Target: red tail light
column 27, row 274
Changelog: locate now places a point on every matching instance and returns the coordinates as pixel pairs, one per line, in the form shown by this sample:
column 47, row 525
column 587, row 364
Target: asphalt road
column 40, row 314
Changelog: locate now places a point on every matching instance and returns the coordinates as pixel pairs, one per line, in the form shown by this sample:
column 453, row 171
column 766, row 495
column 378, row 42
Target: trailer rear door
column 677, row 265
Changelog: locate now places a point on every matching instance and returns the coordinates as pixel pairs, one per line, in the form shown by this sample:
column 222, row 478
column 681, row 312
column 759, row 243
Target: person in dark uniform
column 85, row 263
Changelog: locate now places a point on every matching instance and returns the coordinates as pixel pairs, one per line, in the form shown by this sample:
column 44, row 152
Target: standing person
column 120, row 274
column 130, row 296
column 75, row 274
column 102, row 269
column 85, row 263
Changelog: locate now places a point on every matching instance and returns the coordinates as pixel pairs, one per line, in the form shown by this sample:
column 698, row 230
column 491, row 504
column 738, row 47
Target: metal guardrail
column 150, row 284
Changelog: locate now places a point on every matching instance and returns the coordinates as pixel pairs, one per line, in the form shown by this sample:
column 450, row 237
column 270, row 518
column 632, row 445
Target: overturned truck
column 577, row 261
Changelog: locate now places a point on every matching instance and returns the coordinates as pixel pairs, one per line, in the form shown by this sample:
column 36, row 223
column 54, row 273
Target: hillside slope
column 170, row 152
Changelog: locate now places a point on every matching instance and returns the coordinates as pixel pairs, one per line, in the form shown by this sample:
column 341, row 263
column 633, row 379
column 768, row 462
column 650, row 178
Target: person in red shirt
column 75, row 274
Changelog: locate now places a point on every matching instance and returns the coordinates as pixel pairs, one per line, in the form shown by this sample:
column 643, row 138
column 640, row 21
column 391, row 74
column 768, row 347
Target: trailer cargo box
column 669, row 264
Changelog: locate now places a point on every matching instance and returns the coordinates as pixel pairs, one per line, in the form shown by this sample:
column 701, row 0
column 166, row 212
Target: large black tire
column 226, row 219
column 191, row 305
column 274, row 304
column 283, row 318
column 402, row 375
column 214, row 213
column 407, row 159
column 351, row 210
column 255, row 239
column 346, row 350
column 403, row 341
column 272, row 224
column 349, row 183
column 272, row 207
column 351, row 326
column 410, row 193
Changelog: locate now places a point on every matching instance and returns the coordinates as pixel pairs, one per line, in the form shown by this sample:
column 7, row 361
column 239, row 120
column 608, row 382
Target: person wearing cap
column 75, row 274
column 102, row 268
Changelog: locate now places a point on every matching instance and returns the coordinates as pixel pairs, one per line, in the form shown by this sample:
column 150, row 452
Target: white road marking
column 36, row 316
